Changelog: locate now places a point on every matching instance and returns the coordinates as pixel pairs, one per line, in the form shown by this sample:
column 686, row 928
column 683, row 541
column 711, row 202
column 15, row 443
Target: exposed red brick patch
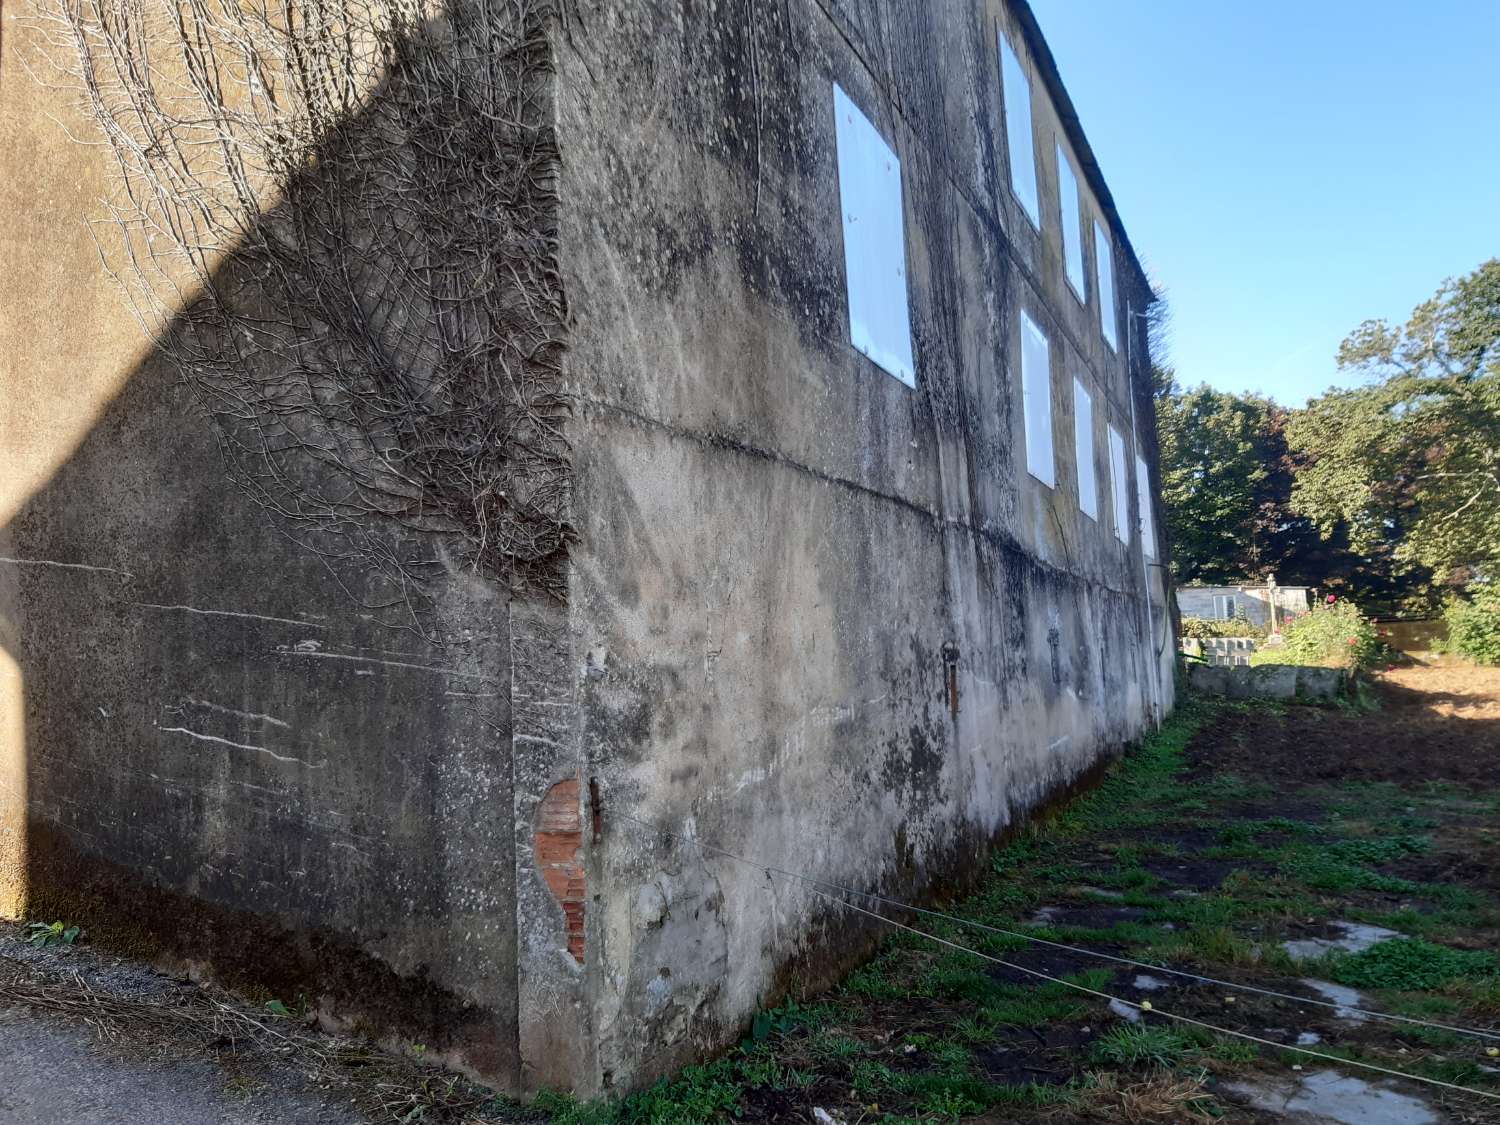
column 558, row 844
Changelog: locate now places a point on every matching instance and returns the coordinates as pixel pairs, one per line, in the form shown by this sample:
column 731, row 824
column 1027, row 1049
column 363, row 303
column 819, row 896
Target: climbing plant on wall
column 337, row 220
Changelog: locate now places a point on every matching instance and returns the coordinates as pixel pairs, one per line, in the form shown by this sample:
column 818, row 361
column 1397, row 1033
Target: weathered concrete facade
column 814, row 617
column 780, row 542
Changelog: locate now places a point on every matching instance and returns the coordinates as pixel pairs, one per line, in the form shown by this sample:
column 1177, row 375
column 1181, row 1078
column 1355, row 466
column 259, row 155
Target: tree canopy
column 1213, row 472
column 1389, row 492
column 1413, row 456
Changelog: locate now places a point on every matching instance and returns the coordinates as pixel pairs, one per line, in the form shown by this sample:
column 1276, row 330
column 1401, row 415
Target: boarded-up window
column 1105, row 261
column 1083, row 448
column 874, row 242
column 1015, row 90
column 1225, row 607
column 1036, row 396
column 1143, row 501
column 1072, row 222
column 1118, row 483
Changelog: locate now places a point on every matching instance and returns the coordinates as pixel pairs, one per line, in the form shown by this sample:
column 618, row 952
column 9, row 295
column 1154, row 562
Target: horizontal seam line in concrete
column 991, row 535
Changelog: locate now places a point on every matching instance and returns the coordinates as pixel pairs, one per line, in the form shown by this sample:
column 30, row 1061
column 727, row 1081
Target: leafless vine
column 338, row 220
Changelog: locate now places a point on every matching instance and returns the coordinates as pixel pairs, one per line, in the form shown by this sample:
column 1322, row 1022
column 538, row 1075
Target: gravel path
column 88, row 1038
column 53, row 1073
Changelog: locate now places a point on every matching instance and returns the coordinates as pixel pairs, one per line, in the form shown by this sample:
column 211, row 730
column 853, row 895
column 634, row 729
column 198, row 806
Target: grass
column 1134, row 1045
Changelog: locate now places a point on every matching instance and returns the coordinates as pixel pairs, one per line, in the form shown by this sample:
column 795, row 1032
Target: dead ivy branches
column 337, row 218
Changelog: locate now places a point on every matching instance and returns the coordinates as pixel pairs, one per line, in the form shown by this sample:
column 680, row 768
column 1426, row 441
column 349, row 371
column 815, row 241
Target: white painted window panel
column 1225, row 607
column 1105, row 261
column 874, row 242
column 1118, row 485
column 1083, row 448
column 1143, row 501
column 1015, row 89
column 1036, row 399
column 1072, row 222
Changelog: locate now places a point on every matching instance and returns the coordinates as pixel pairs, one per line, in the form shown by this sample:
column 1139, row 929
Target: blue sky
column 1286, row 170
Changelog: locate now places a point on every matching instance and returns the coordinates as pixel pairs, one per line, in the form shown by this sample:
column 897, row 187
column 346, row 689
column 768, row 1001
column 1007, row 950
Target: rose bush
column 1333, row 634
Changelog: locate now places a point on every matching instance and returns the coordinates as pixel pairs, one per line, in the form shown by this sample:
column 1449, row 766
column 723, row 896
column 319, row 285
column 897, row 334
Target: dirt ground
column 1433, row 724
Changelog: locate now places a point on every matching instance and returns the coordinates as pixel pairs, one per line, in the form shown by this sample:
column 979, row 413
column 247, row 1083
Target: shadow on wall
column 263, row 635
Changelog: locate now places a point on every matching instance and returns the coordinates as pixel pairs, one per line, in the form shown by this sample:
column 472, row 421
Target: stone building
column 861, row 561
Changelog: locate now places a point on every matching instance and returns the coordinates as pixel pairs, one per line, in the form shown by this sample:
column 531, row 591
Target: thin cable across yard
column 1082, row 951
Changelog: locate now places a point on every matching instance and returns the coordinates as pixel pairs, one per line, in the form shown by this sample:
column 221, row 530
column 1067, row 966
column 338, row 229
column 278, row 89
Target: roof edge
column 1046, row 64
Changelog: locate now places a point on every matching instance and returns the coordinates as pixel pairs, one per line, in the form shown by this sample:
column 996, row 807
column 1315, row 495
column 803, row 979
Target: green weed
column 950, row 1103
column 698, row 1094
column 1411, row 963
column 1382, row 850
column 1138, row 1045
column 42, row 934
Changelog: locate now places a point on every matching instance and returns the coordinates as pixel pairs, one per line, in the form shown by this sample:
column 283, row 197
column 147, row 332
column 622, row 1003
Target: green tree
column 1409, row 463
column 1212, row 468
column 1227, row 475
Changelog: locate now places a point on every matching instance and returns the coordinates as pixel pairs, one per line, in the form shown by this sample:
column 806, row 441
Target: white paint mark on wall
column 536, row 738
column 373, row 660
column 68, row 566
column 241, row 746
column 206, row 705
column 226, row 613
column 1063, row 741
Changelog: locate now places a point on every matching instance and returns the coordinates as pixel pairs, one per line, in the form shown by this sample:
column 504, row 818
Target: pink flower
column 1390, row 667
column 1354, row 640
column 1332, row 599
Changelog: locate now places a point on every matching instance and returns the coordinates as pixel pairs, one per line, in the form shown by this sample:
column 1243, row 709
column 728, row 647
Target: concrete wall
column 777, row 540
column 1269, row 681
column 1233, row 651
column 813, row 616
column 215, row 748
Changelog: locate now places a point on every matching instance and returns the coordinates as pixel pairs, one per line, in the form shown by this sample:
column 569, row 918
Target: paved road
column 55, row 1074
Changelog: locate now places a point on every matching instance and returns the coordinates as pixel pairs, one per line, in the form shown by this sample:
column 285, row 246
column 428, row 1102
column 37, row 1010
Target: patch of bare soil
column 1046, row 1056
column 1479, row 868
column 1196, row 873
column 1434, row 724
